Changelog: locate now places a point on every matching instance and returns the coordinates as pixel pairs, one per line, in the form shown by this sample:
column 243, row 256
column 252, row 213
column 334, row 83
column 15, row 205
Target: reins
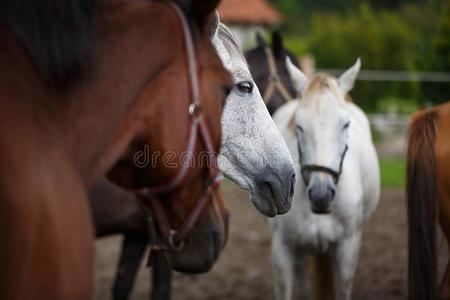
column 171, row 238
column 274, row 80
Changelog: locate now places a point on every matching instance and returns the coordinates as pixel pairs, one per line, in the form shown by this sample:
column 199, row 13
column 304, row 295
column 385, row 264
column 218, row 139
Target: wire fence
column 406, row 76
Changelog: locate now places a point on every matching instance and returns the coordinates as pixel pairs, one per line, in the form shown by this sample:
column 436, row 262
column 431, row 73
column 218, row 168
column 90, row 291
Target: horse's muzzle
column 275, row 189
column 321, row 194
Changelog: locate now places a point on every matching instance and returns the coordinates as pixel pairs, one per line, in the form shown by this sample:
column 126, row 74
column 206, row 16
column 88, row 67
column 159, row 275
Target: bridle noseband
column 274, row 80
column 173, row 239
column 318, row 168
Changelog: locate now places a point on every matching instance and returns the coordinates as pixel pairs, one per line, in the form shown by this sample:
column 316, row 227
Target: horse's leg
column 162, row 278
column 345, row 260
column 322, row 277
column 301, row 286
column 133, row 249
column 283, row 268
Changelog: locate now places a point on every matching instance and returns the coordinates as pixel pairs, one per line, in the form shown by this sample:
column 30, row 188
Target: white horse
column 338, row 188
column 253, row 153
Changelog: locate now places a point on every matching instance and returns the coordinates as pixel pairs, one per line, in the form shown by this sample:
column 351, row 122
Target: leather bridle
column 304, row 168
column 171, row 238
column 274, row 80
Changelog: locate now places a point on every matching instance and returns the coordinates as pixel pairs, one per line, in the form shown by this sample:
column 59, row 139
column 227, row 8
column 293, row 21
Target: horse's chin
column 200, row 251
column 191, row 263
column 265, row 206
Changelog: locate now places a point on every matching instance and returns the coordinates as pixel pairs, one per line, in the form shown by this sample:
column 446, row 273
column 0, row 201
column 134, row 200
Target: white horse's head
column 322, row 123
column 253, row 153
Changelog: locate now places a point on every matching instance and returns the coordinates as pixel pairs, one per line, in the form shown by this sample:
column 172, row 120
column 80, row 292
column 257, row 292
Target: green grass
column 393, row 172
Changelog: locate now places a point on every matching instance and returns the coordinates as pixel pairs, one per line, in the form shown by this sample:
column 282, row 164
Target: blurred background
column 409, row 37
column 405, row 52
column 404, row 46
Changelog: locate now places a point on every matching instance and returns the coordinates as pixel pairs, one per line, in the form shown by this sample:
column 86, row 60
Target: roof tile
column 248, row 12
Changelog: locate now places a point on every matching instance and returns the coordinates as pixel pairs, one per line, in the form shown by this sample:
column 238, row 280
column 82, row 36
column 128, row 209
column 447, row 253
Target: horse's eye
column 299, row 127
column 346, row 125
column 245, row 87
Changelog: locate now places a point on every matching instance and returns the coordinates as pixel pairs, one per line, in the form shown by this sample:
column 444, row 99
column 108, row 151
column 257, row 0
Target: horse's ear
column 347, row 80
column 260, row 41
column 298, row 79
column 203, row 11
column 277, row 44
column 214, row 26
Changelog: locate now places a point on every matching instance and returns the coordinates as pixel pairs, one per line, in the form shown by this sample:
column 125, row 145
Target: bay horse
column 268, row 67
column 428, row 198
column 174, row 169
column 251, row 144
column 70, row 74
column 330, row 140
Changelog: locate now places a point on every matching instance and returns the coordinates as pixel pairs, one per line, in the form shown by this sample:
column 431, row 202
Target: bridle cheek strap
column 173, row 239
column 274, row 80
column 151, row 195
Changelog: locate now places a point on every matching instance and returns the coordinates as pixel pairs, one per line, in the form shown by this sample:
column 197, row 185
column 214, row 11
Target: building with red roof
column 246, row 17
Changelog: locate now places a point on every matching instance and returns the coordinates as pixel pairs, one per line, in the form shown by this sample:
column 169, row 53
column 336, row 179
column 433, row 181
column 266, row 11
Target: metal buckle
column 172, row 243
column 194, row 109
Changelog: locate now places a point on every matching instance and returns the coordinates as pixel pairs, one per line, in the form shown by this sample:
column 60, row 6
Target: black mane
column 259, row 67
column 56, row 34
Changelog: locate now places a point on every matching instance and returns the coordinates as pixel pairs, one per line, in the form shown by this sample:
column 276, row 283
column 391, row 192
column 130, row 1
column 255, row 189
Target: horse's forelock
column 319, row 83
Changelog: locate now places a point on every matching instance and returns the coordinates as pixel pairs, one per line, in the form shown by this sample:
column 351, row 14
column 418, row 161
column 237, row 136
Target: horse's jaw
column 268, row 200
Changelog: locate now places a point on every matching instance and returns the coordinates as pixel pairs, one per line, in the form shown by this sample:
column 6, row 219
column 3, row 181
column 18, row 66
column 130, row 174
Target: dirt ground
column 244, row 272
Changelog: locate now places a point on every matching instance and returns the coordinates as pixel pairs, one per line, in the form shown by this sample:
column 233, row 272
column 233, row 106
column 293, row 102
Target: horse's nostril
column 332, row 192
column 269, row 187
column 291, row 190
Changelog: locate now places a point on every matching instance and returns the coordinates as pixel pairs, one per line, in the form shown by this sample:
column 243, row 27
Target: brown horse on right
column 428, row 194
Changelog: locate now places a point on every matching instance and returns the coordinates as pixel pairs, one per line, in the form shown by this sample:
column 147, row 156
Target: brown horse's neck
column 45, row 230
column 51, row 142
column 125, row 60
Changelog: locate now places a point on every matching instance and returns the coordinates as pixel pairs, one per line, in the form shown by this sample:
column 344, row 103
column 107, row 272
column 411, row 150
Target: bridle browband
column 274, row 80
column 170, row 238
column 318, row 168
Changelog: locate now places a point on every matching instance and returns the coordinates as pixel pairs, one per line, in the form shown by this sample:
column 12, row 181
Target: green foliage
column 387, row 35
column 393, row 173
column 297, row 45
column 382, row 40
column 441, row 41
column 397, row 105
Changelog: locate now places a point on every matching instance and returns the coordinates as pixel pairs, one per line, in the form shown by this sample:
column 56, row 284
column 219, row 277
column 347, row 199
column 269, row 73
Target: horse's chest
column 319, row 233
